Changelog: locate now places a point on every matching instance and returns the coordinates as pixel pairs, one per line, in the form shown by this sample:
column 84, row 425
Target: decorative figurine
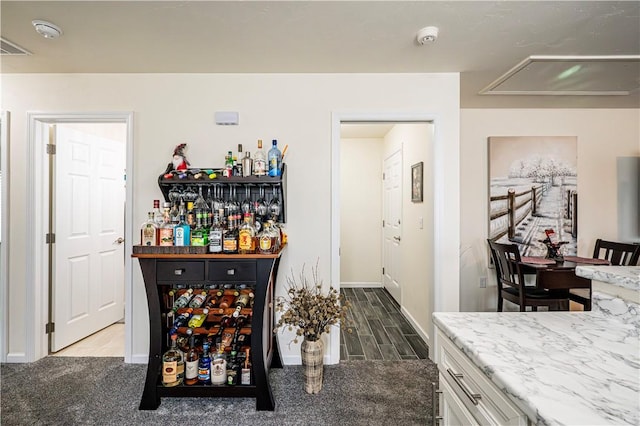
column 180, row 162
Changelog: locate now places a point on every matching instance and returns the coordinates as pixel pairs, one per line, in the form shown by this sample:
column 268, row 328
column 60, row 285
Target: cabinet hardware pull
column 435, row 418
column 179, row 271
column 457, row 377
column 231, row 271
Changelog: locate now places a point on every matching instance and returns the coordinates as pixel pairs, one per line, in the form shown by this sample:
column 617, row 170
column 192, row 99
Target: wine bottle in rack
column 241, row 321
column 242, row 301
column 198, row 300
column 183, row 300
column 181, row 321
column 191, row 361
column 198, row 319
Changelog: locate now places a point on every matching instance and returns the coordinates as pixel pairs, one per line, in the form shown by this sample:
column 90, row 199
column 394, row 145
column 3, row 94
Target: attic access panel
column 617, row 75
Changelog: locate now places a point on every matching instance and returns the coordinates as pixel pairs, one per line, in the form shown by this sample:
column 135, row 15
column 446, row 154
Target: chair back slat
column 507, row 258
column 617, row 253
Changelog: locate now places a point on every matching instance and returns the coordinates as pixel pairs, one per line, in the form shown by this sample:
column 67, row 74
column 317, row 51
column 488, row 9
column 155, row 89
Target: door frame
column 440, row 292
column 5, row 121
column 37, row 292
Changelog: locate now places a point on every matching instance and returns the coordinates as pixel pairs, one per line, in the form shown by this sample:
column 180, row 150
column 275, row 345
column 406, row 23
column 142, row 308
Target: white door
column 89, row 226
column 391, row 215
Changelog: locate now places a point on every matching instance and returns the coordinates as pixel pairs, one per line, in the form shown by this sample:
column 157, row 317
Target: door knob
column 120, row 240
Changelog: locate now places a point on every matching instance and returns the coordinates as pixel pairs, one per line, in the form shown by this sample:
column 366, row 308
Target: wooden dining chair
column 618, row 254
column 624, row 254
column 511, row 283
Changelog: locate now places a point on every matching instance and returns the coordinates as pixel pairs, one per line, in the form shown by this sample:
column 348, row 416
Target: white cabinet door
column 452, row 409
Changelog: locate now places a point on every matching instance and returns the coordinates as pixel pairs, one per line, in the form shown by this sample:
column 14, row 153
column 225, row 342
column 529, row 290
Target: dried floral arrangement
column 306, row 307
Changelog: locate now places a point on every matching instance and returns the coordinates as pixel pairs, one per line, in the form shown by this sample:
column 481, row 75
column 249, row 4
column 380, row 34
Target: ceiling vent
column 8, row 48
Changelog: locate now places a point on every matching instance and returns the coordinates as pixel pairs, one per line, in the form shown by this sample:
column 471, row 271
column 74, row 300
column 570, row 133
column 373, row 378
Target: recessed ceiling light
column 47, row 29
column 427, row 35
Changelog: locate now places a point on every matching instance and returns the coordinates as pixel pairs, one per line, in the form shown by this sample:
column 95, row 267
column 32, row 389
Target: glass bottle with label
column 166, row 232
column 149, row 232
column 245, row 374
column 182, row 233
column 204, row 366
column 191, row 361
column 199, row 235
column 219, row 366
column 246, row 236
column 215, row 235
column 230, row 238
column 157, row 213
column 198, row 319
column 198, row 300
column 265, row 242
column 172, row 365
column 259, row 161
column 274, row 159
column 181, row 301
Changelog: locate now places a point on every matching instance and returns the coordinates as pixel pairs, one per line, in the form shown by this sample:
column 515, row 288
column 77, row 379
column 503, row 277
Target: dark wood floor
column 380, row 331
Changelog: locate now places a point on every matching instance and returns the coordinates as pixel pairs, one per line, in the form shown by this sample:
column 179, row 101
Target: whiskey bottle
column 230, row 237
column 215, row 235
column 149, row 232
column 259, row 161
column 246, row 236
column 191, row 362
column 204, row 366
column 219, row 366
column 172, row 365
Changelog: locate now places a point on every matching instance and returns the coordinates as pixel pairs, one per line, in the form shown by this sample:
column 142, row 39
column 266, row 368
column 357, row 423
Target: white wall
column 603, row 135
column 417, row 242
column 361, row 212
column 294, row 108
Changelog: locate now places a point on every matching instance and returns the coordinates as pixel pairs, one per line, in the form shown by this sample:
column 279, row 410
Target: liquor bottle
column 182, row 233
column 166, row 231
column 181, row 321
column 230, row 238
column 247, row 164
column 149, row 232
column 222, row 334
column 172, row 365
column 219, row 366
column 191, row 361
column 246, row 235
column 198, row 300
column 181, row 301
column 241, row 302
column 237, row 162
column 204, row 366
column 212, row 302
column 166, row 212
column 157, row 214
column 259, row 161
column 199, row 234
column 241, row 321
column 245, row 375
column 215, row 235
column 228, row 165
column 191, row 215
column 265, row 242
column 274, row 158
column 226, row 301
column 198, row 319
column 232, row 368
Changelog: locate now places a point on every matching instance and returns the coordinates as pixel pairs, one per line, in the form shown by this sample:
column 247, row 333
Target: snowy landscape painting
column 533, row 187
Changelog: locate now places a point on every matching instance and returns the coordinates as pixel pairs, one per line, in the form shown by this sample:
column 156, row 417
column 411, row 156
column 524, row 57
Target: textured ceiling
column 479, row 39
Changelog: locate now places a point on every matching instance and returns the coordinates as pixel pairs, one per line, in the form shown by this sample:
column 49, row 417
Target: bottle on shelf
column 230, row 237
column 191, row 361
column 204, row 365
column 149, row 232
column 245, row 374
column 181, row 301
column 226, row 301
column 259, row 161
column 215, row 235
column 247, row 164
column 274, row 158
column 219, row 365
column 246, row 236
column 232, row 368
column 265, row 241
column 237, row 339
column 228, row 165
column 198, row 300
column 181, row 321
column 191, row 215
column 157, row 213
column 182, row 233
column 199, row 234
column 172, row 365
column 198, row 319
column 165, row 233
column 237, row 162
column 242, row 301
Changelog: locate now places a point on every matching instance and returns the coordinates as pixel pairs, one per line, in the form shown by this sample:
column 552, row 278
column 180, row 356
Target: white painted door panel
column 392, row 232
column 89, row 219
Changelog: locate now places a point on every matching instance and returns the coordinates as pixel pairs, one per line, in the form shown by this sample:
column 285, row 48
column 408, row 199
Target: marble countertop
column 622, row 276
column 559, row 368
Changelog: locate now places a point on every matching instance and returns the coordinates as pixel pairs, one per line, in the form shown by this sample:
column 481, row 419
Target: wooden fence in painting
column 517, row 207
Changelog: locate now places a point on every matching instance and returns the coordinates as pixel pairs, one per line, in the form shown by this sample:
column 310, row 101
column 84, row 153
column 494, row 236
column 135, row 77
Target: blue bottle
column 204, row 366
column 274, row 159
column 182, row 233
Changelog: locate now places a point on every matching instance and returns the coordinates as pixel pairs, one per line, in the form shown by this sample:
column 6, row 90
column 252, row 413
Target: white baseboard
column 297, row 360
column 415, row 325
column 357, row 284
column 16, row 358
column 139, row 359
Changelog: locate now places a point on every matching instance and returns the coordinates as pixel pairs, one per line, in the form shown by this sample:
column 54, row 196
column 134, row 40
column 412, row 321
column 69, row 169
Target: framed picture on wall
column 416, row 182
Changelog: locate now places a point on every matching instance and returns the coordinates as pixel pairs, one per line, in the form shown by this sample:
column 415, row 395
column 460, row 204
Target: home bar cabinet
column 165, row 272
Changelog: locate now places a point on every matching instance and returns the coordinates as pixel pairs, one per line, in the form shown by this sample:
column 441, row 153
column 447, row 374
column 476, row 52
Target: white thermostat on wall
column 227, row 118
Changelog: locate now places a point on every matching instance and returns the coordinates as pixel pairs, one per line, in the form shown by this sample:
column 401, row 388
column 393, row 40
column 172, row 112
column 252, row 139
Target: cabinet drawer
column 232, row 271
column 180, row 270
column 482, row 398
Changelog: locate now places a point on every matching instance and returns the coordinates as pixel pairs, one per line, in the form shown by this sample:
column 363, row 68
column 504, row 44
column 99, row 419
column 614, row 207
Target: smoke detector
column 427, row 35
column 46, row 29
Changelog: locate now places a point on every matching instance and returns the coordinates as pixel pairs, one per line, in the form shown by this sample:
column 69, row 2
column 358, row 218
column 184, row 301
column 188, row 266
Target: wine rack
column 167, row 276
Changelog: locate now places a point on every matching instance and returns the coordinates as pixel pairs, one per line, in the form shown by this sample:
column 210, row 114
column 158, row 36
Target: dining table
column 560, row 275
